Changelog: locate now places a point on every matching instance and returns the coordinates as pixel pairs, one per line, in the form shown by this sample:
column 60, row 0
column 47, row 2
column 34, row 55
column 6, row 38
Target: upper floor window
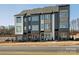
column 25, row 28
column 63, row 14
column 29, row 27
column 25, row 19
column 42, row 17
column 42, row 26
column 46, row 26
column 18, row 19
column 63, row 21
column 35, row 18
column 35, row 27
column 47, row 16
column 29, row 18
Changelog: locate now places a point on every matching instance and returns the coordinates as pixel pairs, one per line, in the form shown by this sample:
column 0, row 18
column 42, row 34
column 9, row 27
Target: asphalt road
column 41, row 49
column 24, row 50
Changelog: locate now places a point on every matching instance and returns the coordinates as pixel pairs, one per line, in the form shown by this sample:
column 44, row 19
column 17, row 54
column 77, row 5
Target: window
column 46, row 26
column 29, row 19
column 42, row 17
column 29, row 27
column 35, row 18
column 47, row 16
column 42, row 22
column 18, row 20
column 25, row 19
column 18, row 28
column 35, row 27
column 63, row 21
column 63, row 14
column 25, row 28
column 42, row 26
column 63, row 25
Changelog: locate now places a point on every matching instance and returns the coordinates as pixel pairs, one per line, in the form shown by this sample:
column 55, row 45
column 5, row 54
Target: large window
column 63, row 14
column 42, row 17
column 35, row 18
column 29, row 18
column 25, row 19
column 42, row 27
column 42, row 22
column 18, row 19
column 63, row 19
column 47, row 16
column 35, row 27
column 25, row 28
column 46, row 26
column 29, row 27
column 18, row 28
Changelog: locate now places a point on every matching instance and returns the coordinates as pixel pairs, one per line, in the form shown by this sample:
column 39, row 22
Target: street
column 31, row 50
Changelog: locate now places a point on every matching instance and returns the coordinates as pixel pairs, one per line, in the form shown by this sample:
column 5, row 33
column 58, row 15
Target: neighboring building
column 48, row 23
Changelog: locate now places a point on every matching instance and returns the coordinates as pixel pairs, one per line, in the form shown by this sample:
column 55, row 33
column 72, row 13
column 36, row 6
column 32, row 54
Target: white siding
column 53, row 26
column 19, row 24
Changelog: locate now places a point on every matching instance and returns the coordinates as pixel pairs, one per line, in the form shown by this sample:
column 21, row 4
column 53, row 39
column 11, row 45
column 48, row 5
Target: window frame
column 36, row 19
column 18, row 20
column 18, row 30
column 35, row 28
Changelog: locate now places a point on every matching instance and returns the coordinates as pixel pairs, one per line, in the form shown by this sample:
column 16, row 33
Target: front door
column 42, row 37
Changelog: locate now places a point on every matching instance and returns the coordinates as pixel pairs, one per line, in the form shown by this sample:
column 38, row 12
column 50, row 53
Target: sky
column 7, row 11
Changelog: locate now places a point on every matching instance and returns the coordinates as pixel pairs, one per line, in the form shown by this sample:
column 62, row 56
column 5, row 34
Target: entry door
column 56, row 35
column 42, row 36
column 29, row 37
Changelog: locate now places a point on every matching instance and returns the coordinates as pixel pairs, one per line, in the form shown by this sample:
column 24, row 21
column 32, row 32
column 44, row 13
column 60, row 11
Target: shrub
column 7, row 40
column 77, row 39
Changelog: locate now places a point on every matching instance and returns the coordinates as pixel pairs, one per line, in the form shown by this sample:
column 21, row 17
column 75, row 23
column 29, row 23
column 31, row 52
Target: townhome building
column 43, row 24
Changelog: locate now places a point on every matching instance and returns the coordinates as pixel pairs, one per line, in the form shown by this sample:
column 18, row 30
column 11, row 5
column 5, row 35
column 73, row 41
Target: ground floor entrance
column 43, row 36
